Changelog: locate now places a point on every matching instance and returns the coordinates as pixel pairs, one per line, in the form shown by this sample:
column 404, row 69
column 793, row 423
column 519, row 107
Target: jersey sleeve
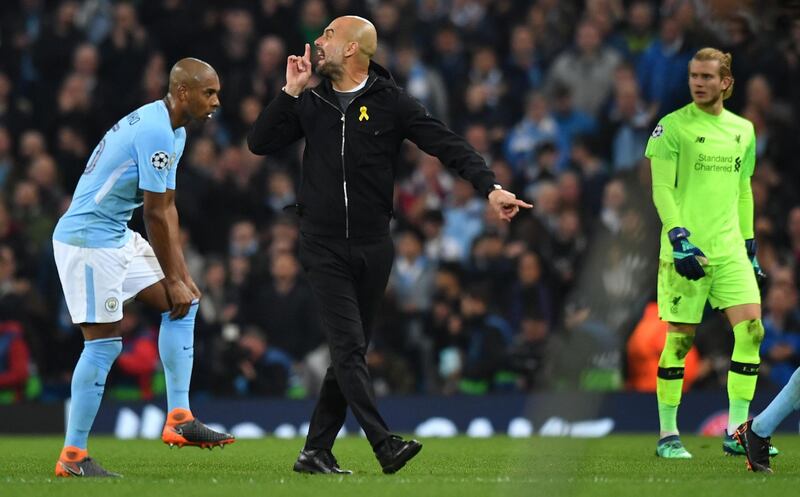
column 663, row 142
column 155, row 155
column 662, row 150
column 173, row 170
column 749, row 159
column 663, row 176
column 746, row 190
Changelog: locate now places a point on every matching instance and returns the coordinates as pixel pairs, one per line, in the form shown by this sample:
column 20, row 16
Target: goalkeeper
column 702, row 157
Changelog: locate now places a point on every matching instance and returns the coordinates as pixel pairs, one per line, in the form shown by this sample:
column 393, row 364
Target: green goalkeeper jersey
column 701, row 167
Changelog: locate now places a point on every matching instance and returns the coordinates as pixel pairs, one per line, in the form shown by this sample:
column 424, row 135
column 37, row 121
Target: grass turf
column 618, row 465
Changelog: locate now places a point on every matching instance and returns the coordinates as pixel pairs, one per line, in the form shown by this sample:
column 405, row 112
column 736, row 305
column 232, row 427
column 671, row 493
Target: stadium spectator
column 450, row 59
column 587, row 70
column 411, row 285
column 282, row 305
column 477, row 343
column 626, row 127
column 639, row 32
column 254, row 366
column 536, row 127
column 220, row 305
column 530, row 296
column 426, row 188
column 662, row 69
column 781, row 346
column 14, row 361
column 438, row 249
column 571, row 122
column 53, row 49
column 791, row 55
column 527, row 353
column 422, row 82
column 523, row 66
column 133, row 374
column 551, row 23
column 266, row 79
column 123, row 55
column 15, row 112
column 753, row 54
column 593, row 172
column 463, row 213
column 411, row 280
column 7, row 168
column 793, row 238
column 32, row 145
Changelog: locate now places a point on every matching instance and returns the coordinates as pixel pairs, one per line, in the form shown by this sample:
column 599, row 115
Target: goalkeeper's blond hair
column 725, row 59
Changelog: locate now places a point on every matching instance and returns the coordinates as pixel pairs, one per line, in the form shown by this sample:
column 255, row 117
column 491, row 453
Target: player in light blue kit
column 102, row 264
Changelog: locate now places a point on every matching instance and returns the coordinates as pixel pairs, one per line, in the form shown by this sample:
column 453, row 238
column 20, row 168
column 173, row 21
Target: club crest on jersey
column 111, row 304
column 160, row 160
column 658, row 131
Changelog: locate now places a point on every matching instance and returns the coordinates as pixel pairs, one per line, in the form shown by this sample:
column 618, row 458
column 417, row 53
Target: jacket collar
column 379, row 78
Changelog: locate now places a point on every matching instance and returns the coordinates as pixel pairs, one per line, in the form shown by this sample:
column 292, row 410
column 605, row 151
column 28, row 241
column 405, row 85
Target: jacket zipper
column 344, row 187
column 344, row 169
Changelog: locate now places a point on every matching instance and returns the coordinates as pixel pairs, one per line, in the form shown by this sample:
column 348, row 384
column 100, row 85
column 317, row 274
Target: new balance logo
column 700, row 139
column 738, row 138
column 189, row 347
column 101, row 385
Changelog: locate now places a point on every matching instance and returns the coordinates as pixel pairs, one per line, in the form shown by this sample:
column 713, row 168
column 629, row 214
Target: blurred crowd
column 558, row 96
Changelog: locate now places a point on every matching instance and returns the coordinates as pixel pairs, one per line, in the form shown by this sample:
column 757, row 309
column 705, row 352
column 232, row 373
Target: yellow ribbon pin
column 363, row 115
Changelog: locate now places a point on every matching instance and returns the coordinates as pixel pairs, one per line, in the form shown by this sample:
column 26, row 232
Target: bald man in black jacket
column 354, row 123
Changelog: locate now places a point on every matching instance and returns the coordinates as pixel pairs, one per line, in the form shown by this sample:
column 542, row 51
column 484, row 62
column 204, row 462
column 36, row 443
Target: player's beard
column 330, row 70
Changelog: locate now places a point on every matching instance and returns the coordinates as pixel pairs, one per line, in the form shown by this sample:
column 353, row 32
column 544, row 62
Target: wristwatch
column 493, row 188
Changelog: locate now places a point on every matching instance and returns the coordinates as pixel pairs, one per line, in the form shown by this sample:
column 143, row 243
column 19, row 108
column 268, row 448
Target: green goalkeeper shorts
column 725, row 285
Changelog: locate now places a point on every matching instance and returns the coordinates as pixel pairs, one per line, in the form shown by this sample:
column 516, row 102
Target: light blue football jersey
column 140, row 152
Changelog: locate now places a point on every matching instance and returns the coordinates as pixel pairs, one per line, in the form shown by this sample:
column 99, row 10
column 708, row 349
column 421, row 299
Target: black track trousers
column 348, row 278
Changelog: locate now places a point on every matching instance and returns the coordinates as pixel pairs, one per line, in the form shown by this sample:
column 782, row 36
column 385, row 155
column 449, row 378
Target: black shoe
column 318, row 461
column 394, row 452
column 755, row 448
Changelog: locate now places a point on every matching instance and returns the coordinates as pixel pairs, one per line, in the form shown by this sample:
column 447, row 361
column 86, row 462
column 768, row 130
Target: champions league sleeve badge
column 658, row 131
column 160, row 160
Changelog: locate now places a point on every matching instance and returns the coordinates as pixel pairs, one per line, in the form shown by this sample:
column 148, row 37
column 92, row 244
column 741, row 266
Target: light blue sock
column 787, row 400
column 176, row 347
column 88, row 384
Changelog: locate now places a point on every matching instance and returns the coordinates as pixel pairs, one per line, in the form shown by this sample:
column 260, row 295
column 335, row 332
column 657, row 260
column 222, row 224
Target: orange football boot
column 75, row 462
column 184, row 429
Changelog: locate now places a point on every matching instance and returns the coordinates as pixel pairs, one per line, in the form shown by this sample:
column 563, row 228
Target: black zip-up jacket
column 350, row 159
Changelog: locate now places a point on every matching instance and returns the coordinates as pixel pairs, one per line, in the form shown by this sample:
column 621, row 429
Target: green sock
column 670, row 379
column 737, row 413
column 743, row 372
column 668, row 418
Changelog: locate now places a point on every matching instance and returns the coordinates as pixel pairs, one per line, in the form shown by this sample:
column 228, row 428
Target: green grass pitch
column 619, row 465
